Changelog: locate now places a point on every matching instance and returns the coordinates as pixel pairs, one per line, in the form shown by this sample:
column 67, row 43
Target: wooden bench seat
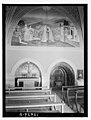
column 69, row 91
column 27, row 92
column 80, row 99
column 25, row 88
column 27, row 99
column 20, row 100
column 35, row 105
column 64, row 88
column 47, row 109
column 69, row 95
column 30, row 97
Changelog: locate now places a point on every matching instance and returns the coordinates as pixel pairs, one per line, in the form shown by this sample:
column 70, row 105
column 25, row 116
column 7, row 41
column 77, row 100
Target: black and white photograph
column 45, row 60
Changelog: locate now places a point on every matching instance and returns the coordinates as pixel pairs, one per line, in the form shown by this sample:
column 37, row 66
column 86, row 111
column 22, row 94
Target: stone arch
column 61, row 61
column 14, row 68
column 24, row 60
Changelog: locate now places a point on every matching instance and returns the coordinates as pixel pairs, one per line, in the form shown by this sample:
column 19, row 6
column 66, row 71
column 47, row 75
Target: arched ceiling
column 15, row 12
column 42, row 14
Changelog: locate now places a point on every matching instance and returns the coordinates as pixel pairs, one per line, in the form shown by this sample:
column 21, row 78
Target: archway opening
column 62, row 74
column 28, row 75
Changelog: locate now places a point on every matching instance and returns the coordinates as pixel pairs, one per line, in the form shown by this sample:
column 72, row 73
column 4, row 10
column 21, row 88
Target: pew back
column 80, row 98
column 26, row 99
column 25, row 88
column 36, row 105
column 69, row 91
column 10, row 100
column 73, row 95
column 27, row 92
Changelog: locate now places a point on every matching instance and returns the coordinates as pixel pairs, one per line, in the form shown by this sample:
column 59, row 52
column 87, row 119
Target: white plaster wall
column 44, row 57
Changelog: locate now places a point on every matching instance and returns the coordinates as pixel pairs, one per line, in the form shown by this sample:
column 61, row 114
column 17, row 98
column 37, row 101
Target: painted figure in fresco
column 26, row 34
column 20, row 40
column 65, row 33
column 75, row 35
column 50, row 35
column 31, row 31
column 36, row 35
column 44, row 37
column 70, row 33
column 62, row 31
column 47, row 34
column 57, row 34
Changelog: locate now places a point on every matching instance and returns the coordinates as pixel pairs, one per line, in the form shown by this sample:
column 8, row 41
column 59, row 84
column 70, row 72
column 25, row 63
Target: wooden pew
column 28, row 99
column 15, row 100
column 80, row 99
column 66, row 88
column 25, row 88
column 71, row 92
column 27, row 92
column 37, row 105
column 69, row 95
column 32, row 96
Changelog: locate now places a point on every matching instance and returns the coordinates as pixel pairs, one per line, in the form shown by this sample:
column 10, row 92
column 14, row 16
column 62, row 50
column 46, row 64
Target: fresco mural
column 59, row 33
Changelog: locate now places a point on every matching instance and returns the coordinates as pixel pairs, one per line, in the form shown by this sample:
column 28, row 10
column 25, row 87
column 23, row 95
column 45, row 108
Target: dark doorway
column 62, row 74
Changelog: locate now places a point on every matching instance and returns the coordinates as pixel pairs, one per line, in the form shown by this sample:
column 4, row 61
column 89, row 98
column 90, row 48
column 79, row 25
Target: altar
column 58, row 83
column 27, row 82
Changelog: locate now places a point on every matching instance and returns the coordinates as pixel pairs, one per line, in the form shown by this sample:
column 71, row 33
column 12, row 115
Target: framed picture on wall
column 79, row 74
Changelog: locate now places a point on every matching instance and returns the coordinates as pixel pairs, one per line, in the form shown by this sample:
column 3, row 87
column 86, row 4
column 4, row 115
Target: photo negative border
column 85, row 114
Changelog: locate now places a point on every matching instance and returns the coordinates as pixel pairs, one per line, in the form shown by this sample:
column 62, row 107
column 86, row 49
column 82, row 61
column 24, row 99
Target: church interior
column 44, row 58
